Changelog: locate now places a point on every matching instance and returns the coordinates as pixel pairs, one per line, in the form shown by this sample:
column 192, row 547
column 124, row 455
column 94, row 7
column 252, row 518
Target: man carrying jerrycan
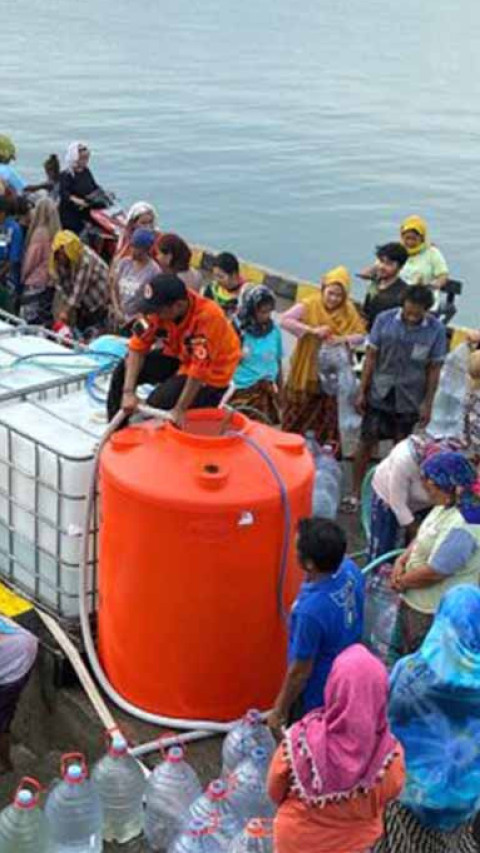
column 326, row 617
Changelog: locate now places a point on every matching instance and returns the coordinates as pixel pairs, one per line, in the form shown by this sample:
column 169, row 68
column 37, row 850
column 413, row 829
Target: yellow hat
column 414, row 223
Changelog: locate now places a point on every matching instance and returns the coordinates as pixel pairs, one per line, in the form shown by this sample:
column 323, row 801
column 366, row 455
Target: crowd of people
column 364, row 763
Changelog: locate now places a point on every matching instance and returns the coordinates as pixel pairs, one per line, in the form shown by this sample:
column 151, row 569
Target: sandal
column 350, row 504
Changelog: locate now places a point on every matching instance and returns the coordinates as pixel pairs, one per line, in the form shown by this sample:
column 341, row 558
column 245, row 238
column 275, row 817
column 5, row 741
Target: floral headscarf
column 252, row 299
column 435, row 713
column 450, row 472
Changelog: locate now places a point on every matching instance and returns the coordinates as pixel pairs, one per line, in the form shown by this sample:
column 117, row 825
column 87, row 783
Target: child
column 258, row 378
column 51, row 186
column 472, row 413
column 226, row 289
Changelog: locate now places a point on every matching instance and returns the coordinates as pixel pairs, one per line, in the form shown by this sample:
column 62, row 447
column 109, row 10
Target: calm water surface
column 297, row 134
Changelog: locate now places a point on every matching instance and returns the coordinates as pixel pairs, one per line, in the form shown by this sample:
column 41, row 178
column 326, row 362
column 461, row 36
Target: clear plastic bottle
column 349, row 421
column 214, row 806
column 248, row 792
column 327, row 484
column 23, row 825
column 199, row 837
column 257, row 837
column 448, row 411
column 121, row 784
column 74, row 810
column 171, row 789
column 243, row 737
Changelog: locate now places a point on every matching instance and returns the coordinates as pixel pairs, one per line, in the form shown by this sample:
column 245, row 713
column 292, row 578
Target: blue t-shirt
column 11, row 241
column 326, row 617
column 261, row 359
column 11, row 177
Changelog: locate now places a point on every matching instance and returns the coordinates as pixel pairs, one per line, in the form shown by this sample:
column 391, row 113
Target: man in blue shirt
column 326, row 617
column 406, row 349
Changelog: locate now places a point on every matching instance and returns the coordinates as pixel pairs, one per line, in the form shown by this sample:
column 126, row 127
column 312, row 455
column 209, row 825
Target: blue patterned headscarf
column 450, row 471
column 435, row 713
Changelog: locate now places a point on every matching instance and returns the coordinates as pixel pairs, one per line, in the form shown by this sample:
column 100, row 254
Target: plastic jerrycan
column 23, row 825
column 214, row 806
column 74, row 809
column 200, row 837
column 171, row 789
column 121, row 784
column 247, row 783
column 243, row 737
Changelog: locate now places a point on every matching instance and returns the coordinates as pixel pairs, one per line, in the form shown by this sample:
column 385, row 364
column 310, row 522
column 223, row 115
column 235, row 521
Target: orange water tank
column 192, row 526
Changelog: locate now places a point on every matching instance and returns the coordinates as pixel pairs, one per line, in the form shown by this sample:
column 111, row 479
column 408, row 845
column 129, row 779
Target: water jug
column 214, row 805
column 171, row 789
column 349, row 420
column 243, row 737
column 248, row 793
column 331, row 360
column 121, row 784
column 449, row 402
column 200, row 837
column 74, row 810
column 327, row 484
column 23, row 825
column 257, row 837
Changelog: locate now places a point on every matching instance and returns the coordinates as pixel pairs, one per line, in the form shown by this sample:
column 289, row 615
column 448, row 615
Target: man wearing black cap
column 183, row 344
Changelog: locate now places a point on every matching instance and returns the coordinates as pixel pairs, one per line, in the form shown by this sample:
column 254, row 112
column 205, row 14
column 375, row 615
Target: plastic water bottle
column 121, row 784
column 448, row 410
column 243, row 737
column 214, row 806
column 200, row 837
column 257, row 837
column 23, row 825
column 248, row 792
column 171, row 790
column 74, row 810
column 327, row 484
column 349, row 421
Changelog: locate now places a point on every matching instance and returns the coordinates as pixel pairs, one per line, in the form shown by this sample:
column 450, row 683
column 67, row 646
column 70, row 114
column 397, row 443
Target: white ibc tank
column 46, row 459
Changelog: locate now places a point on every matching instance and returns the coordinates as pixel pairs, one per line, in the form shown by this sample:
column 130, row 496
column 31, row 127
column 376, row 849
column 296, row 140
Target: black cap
column 163, row 290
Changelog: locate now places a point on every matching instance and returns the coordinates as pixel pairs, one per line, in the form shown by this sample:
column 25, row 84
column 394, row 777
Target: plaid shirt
column 87, row 288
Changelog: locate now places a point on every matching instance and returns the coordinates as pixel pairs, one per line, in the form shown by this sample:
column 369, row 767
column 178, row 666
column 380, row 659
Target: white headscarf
column 138, row 209
column 71, row 157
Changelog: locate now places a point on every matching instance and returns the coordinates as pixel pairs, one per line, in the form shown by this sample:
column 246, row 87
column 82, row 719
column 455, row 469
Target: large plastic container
column 190, row 562
column 46, row 460
column 74, row 810
column 23, row 825
column 121, row 784
column 171, row 789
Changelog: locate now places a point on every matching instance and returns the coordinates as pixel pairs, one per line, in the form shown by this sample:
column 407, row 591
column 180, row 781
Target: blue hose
column 110, row 359
column 287, row 516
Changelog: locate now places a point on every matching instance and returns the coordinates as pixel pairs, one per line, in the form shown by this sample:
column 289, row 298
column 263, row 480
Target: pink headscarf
column 344, row 747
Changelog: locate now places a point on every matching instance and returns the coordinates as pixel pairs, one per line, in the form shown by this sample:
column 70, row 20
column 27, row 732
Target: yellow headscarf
column 342, row 321
column 72, row 246
column 415, row 223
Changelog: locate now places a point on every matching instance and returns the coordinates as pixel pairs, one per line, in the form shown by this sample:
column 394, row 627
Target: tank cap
column 217, row 790
column 175, row 754
column 295, row 445
column 211, row 475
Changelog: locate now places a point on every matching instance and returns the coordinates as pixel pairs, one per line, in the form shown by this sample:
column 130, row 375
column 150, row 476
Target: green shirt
column 432, row 533
column 424, row 267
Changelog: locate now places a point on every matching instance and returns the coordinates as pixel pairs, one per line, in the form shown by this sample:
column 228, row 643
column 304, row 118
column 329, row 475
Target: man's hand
column 275, row 723
column 130, row 402
column 361, row 402
column 425, row 414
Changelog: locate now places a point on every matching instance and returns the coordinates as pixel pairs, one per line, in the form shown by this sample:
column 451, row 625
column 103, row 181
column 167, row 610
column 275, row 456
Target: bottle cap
column 175, row 754
column 74, row 773
column 24, row 798
column 258, row 828
column 253, row 716
column 118, row 745
column 259, row 754
column 198, row 826
column 217, row 789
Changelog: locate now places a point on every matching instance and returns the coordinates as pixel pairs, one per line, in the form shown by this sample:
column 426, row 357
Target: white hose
column 204, row 728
